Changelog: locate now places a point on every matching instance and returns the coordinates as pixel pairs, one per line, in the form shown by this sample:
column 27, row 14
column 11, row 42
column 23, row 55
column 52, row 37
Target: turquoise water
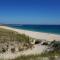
column 39, row 28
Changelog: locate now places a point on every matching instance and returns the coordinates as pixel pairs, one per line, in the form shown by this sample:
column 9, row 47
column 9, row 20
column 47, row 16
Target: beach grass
column 29, row 57
column 13, row 35
column 43, row 56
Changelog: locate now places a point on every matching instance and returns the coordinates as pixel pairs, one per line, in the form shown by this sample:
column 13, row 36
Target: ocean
column 55, row 29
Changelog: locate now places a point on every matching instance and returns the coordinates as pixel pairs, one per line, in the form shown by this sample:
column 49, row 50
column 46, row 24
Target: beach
column 38, row 49
column 33, row 34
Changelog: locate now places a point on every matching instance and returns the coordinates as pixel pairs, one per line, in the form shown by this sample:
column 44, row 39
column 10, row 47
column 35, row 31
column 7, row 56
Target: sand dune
column 38, row 48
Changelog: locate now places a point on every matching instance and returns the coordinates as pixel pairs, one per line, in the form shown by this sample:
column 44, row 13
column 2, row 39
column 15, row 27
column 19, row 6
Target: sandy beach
column 38, row 49
column 37, row 35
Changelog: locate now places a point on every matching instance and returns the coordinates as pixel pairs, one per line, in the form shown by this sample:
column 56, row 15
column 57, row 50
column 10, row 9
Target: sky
column 30, row 11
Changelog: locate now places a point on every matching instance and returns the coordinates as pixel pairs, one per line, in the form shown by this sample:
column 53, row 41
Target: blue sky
column 30, row 11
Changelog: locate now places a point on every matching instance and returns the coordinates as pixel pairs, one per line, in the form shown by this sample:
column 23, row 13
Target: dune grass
column 43, row 56
column 8, row 37
column 29, row 57
column 12, row 35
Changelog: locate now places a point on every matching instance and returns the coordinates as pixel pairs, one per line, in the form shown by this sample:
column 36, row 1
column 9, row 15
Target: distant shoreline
column 53, row 29
column 36, row 31
column 33, row 34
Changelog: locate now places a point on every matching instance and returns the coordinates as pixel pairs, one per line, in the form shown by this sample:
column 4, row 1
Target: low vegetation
column 43, row 56
column 51, row 55
column 10, row 38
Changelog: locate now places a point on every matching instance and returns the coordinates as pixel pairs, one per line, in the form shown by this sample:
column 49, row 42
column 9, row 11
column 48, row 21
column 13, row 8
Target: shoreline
column 36, row 31
column 33, row 34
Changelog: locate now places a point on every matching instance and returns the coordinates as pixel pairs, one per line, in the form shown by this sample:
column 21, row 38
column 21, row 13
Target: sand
column 38, row 48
